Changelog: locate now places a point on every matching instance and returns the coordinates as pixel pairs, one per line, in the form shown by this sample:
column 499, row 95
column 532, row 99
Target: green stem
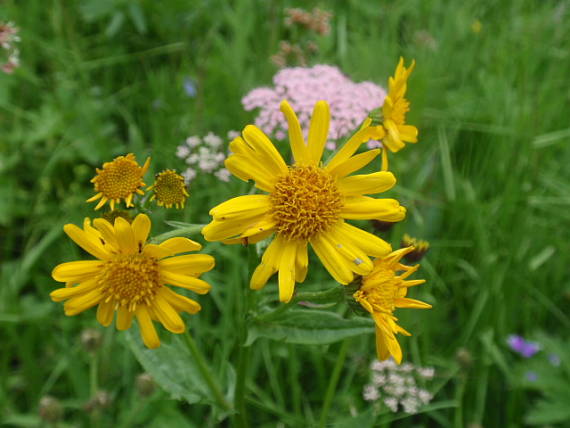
column 241, row 419
column 93, row 374
column 331, row 388
column 206, row 374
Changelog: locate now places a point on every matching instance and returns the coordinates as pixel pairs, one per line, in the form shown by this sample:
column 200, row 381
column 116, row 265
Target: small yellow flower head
column 169, row 189
column 306, row 204
column 381, row 292
column 131, row 277
column 120, row 179
column 395, row 108
column 476, row 26
column 421, row 247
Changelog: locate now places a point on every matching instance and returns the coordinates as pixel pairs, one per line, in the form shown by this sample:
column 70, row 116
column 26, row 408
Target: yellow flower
column 119, row 179
column 395, row 108
column 307, row 203
column 169, row 189
column 381, row 292
column 130, row 276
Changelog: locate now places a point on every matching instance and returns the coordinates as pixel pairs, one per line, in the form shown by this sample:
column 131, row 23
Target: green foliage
column 487, row 185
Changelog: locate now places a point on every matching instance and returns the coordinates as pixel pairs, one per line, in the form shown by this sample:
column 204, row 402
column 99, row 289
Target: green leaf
column 549, row 412
column 309, row 327
column 171, row 366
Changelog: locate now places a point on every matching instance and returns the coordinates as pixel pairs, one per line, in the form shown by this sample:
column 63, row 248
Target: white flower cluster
column 396, row 386
column 205, row 155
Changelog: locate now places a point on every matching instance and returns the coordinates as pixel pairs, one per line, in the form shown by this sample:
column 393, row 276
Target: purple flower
column 531, row 376
column 525, row 348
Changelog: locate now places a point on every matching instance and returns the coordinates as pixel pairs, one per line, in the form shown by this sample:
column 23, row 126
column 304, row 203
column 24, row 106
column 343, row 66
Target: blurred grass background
column 488, row 185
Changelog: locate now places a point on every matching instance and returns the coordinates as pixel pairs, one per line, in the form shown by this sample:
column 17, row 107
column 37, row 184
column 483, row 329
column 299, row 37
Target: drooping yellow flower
column 120, row 179
column 131, row 276
column 307, row 203
column 381, row 292
column 394, row 111
column 169, row 189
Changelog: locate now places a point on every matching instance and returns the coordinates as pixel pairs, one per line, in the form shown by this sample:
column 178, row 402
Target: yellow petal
column 381, row 348
column 179, row 302
column 106, row 313
column 392, row 140
column 218, row 230
column 408, row 133
column 197, row 285
column 356, row 259
column 331, row 259
column 107, row 232
column 179, row 245
column 62, row 294
column 72, row 271
column 411, row 303
column 367, row 208
column 88, row 242
column 167, row 316
column 124, row 318
column 83, row 302
column 301, row 261
column 318, row 131
column 265, row 149
column 377, row 182
column 270, row 262
column 247, row 205
column 267, row 224
column 189, row 264
column 156, row 251
column 248, row 168
column 252, row 239
column 369, row 243
column 287, row 271
column 148, row 332
column 296, row 140
column 348, row 149
column 354, row 163
column 125, row 236
column 141, row 228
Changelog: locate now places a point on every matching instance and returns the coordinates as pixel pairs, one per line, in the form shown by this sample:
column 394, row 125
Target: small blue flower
column 531, row 376
column 189, row 87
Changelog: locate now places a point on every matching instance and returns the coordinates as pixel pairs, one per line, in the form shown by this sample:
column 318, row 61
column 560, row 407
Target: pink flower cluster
column 204, row 154
column 349, row 102
column 8, row 40
column 396, row 386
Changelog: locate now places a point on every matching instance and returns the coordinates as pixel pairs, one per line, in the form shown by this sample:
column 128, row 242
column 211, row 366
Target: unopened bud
column 50, row 409
column 101, row 401
column 464, row 358
column 420, row 248
column 91, row 339
column 145, row 385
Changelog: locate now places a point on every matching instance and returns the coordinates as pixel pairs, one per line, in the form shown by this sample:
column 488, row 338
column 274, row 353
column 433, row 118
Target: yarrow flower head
column 10, row 55
column 307, row 203
column 130, row 276
column 523, row 347
column 169, row 189
column 205, row 154
column 120, row 179
column 398, row 386
column 381, row 292
column 349, row 102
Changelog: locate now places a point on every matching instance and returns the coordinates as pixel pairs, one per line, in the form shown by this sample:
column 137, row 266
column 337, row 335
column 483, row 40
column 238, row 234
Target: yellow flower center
column 120, row 178
column 130, row 280
column 305, row 202
column 380, row 290
column 169, row 188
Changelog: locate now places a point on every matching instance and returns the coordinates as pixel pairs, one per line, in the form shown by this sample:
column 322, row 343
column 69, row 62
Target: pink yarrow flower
column 349, row 102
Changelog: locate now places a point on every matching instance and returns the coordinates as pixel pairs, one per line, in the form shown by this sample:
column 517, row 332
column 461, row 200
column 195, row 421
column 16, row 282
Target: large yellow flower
column 130, row 276
column 307, row 203
column 381, row 292
column 120, row 179
column 395, row 108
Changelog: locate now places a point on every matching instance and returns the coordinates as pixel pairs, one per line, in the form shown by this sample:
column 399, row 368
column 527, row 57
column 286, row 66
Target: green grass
column 488, row 185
